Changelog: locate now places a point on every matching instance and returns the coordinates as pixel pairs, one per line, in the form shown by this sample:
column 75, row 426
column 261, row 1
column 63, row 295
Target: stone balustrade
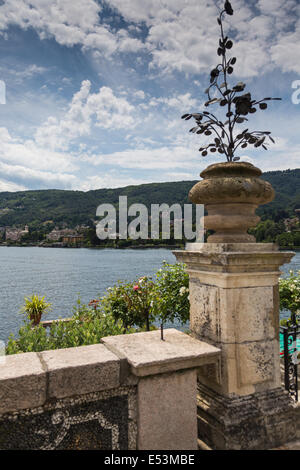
column 130, row 392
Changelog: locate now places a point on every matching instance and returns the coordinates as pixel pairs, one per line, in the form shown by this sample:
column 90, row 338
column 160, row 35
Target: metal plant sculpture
column 238, row 105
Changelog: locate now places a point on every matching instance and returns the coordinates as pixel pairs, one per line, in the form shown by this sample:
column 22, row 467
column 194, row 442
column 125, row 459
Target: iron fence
column 291, row 353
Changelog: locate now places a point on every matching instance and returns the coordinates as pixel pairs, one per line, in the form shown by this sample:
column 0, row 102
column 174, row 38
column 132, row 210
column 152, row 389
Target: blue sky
column 95, row 89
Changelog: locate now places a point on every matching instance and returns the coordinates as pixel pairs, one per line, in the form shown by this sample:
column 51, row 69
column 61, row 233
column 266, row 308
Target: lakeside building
column 15, row 234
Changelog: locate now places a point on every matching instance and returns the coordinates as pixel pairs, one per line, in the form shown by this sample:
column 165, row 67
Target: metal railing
column 291, row 354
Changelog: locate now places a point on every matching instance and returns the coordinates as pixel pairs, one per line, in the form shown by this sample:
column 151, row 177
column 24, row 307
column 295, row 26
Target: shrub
column 83, row 329
column 171, row 294
column 131, row 303
column 127, row 307
column 289, row 293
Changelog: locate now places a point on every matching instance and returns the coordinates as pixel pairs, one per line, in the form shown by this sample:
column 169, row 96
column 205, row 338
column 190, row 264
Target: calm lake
column 63, row 274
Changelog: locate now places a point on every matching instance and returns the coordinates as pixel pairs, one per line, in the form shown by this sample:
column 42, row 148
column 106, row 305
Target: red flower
column 94, row 303
column 136, row 287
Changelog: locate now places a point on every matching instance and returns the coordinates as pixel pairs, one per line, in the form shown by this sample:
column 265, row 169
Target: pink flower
column 136, row 287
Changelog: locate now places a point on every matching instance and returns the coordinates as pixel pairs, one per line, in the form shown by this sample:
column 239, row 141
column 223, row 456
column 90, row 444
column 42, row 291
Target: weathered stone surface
column 231, row 193
column 147, row 354
column 249, row 314
column 85, row 369
column 205, row 310
column 22, row 382
column 167, row 418
column 234, row 306
column 232, row 315
column 230, row 247
column 256, row 363
column 235, row 268
column 262, row 420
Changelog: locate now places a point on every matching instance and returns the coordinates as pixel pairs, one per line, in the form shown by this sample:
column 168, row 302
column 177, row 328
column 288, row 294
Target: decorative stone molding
column 231, row 193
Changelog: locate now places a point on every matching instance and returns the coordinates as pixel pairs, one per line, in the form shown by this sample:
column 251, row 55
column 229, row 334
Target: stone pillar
column 166, row 373
column 235, row 306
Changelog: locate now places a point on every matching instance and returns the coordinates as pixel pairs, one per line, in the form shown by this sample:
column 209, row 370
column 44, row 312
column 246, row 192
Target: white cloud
column 180, row 102
column 183, row 34
column 15, row 151
column 10, row 186
column 29, row 175
column 103, row 109
column 23, row 163
column 69, row 22
column 148, row 159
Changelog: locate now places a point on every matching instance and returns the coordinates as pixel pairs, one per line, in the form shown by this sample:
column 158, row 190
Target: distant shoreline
column 134, row 247
column 131, row 247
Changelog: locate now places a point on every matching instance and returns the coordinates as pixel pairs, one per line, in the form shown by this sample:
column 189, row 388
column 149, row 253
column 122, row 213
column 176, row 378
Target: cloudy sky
column 95, row 88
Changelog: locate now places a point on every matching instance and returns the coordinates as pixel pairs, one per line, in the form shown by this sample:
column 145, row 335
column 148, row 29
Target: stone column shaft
column 235, row 306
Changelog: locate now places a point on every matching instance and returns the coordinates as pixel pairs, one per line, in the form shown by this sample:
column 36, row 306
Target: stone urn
column 231, row 192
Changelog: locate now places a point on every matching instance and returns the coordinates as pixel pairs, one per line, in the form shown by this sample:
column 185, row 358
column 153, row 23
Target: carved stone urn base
column 231, row 193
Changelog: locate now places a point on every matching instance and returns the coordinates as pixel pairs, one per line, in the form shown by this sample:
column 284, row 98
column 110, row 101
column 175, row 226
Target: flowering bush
column 132, row 303
column 171, row 294
column 125, row 308
column 289, row 292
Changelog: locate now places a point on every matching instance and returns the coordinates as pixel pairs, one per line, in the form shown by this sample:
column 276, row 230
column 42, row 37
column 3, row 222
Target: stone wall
column 130, row 392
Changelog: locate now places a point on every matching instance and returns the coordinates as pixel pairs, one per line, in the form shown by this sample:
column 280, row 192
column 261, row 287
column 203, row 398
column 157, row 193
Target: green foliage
column 70, row 208
column 126, row 308
column 171, row 294
column 289, row 293
column 132, row 302
column 87, row 326
column 34, row 308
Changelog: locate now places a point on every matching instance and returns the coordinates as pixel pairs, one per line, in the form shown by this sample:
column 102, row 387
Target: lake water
column 61, row 274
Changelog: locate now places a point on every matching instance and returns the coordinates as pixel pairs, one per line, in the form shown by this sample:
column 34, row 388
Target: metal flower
column 226, row 137
column 228, row 8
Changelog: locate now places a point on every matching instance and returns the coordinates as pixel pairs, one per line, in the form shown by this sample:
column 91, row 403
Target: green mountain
column 76, row 207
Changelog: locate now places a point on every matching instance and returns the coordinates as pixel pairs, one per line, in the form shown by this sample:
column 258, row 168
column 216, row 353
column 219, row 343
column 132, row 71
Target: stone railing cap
column 80, row 370
column 22, row 382
column 147, row 354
